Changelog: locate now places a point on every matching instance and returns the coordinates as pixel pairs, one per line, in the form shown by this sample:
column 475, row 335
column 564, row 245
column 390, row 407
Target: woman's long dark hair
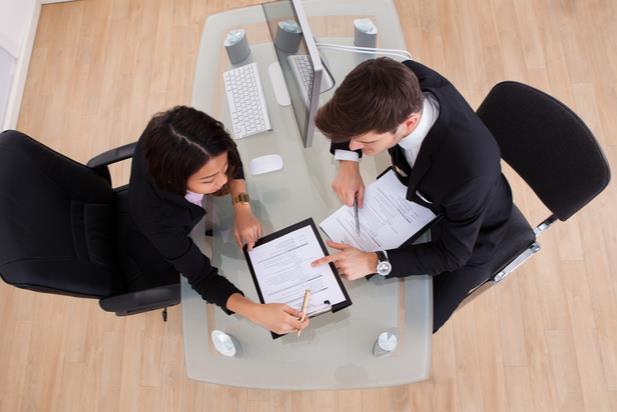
column 178, row 142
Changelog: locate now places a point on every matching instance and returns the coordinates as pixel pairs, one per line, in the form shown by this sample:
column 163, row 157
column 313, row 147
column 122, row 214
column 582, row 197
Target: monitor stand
column 327, row 81
column 278, row 84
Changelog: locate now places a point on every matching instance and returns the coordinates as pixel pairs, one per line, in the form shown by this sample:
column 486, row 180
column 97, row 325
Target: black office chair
column 61, row 226
column 553, row 151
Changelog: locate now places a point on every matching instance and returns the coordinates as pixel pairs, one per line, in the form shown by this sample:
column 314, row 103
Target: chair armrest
column 112, row 156
column 142, row 301
column 99, row 163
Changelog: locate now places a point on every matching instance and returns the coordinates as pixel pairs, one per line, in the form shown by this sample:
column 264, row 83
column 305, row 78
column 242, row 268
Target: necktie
column 401, row 167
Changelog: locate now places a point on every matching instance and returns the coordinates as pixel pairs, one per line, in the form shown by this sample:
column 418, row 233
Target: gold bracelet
column 241, row 198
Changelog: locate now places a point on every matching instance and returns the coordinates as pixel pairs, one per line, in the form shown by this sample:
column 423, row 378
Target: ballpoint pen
column 355, row 213
column 305, row 303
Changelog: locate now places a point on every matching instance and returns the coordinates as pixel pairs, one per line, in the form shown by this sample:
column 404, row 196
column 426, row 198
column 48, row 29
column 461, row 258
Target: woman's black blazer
column 166, row 220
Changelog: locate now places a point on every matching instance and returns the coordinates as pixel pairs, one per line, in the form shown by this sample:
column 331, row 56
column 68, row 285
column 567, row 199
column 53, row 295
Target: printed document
column 387, row 218
column 281, row 266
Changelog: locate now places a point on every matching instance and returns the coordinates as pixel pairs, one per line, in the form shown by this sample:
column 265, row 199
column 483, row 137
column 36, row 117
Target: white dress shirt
column 411, row 143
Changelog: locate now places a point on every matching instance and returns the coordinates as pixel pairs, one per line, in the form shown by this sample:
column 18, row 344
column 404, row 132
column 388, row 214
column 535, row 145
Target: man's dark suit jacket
column 458, row 172
column 165, row 220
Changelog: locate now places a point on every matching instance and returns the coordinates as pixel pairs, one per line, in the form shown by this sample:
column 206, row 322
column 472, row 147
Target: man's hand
column 348, row 182
column 351, row 263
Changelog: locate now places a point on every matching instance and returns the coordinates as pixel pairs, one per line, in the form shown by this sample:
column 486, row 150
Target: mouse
column 265, row 164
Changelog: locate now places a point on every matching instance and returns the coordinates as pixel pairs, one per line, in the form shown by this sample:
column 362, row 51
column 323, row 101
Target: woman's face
column 211, row 177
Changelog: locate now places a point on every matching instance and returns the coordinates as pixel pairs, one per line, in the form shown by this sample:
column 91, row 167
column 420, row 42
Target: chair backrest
column 56, row 222
column 547, row 144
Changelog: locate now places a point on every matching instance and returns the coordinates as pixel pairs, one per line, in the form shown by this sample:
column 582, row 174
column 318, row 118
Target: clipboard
column 326, row 307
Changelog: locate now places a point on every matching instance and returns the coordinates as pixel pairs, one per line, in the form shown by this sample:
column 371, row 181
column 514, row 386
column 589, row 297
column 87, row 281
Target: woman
column 182, row 155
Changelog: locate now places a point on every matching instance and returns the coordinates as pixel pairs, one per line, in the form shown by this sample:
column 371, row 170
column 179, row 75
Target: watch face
column 384, row 268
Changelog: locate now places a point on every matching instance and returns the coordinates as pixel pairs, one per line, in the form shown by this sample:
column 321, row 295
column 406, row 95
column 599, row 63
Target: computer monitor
column 299, row 60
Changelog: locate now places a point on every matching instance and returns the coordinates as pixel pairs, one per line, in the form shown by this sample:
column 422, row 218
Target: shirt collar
column 430, row 112
column 194, row 198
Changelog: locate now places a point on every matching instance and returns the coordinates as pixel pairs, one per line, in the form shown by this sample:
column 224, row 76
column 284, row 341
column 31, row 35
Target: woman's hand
column 247, row 228
column 351, row 263
column 278, row 317
column 348, row 182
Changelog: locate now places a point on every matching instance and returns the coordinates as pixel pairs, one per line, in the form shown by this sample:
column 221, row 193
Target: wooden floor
column 544, row 340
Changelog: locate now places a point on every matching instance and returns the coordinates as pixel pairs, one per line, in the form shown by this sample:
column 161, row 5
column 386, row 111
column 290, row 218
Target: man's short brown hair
column 378, row 95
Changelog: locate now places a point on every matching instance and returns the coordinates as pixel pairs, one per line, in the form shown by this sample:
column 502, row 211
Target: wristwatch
column 241, row 198
column 384, row 267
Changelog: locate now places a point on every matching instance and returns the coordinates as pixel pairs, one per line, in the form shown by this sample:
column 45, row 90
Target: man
column 446, row 157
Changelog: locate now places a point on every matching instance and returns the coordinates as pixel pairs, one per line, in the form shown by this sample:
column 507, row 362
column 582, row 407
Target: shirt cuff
column 346, row 155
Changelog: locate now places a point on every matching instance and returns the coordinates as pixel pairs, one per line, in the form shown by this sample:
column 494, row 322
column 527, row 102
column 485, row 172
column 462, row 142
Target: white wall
column 18, row 22
column 7, row 68
column 15, row 19
column 15, row 22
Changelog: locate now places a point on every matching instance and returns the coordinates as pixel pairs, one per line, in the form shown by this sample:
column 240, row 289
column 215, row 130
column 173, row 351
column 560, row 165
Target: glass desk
column 335, row 352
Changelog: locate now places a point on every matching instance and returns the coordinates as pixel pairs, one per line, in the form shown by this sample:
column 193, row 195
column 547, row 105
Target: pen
column 305, row 303
column 355, row 213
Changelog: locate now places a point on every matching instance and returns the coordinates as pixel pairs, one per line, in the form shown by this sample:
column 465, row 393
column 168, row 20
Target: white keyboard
column 303, row 72
column 246, row 101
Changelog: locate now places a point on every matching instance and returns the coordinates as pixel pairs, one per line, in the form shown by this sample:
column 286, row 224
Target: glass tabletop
column 336, row 351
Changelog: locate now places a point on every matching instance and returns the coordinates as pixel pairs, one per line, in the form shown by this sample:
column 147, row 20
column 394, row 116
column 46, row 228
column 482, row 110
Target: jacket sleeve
column 463, row 215
column 176, row 247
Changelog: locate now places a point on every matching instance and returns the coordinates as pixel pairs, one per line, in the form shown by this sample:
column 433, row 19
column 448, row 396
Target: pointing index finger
column 324, row 260
column 336, row 245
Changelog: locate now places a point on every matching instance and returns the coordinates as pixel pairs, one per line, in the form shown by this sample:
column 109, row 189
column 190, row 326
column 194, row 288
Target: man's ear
column 411, row 122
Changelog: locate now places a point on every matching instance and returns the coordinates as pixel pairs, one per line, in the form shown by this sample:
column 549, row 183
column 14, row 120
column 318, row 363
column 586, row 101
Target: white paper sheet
column 283, row 270
column 387, row 218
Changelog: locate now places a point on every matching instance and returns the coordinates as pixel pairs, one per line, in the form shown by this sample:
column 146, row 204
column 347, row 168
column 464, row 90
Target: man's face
column 373, row 143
